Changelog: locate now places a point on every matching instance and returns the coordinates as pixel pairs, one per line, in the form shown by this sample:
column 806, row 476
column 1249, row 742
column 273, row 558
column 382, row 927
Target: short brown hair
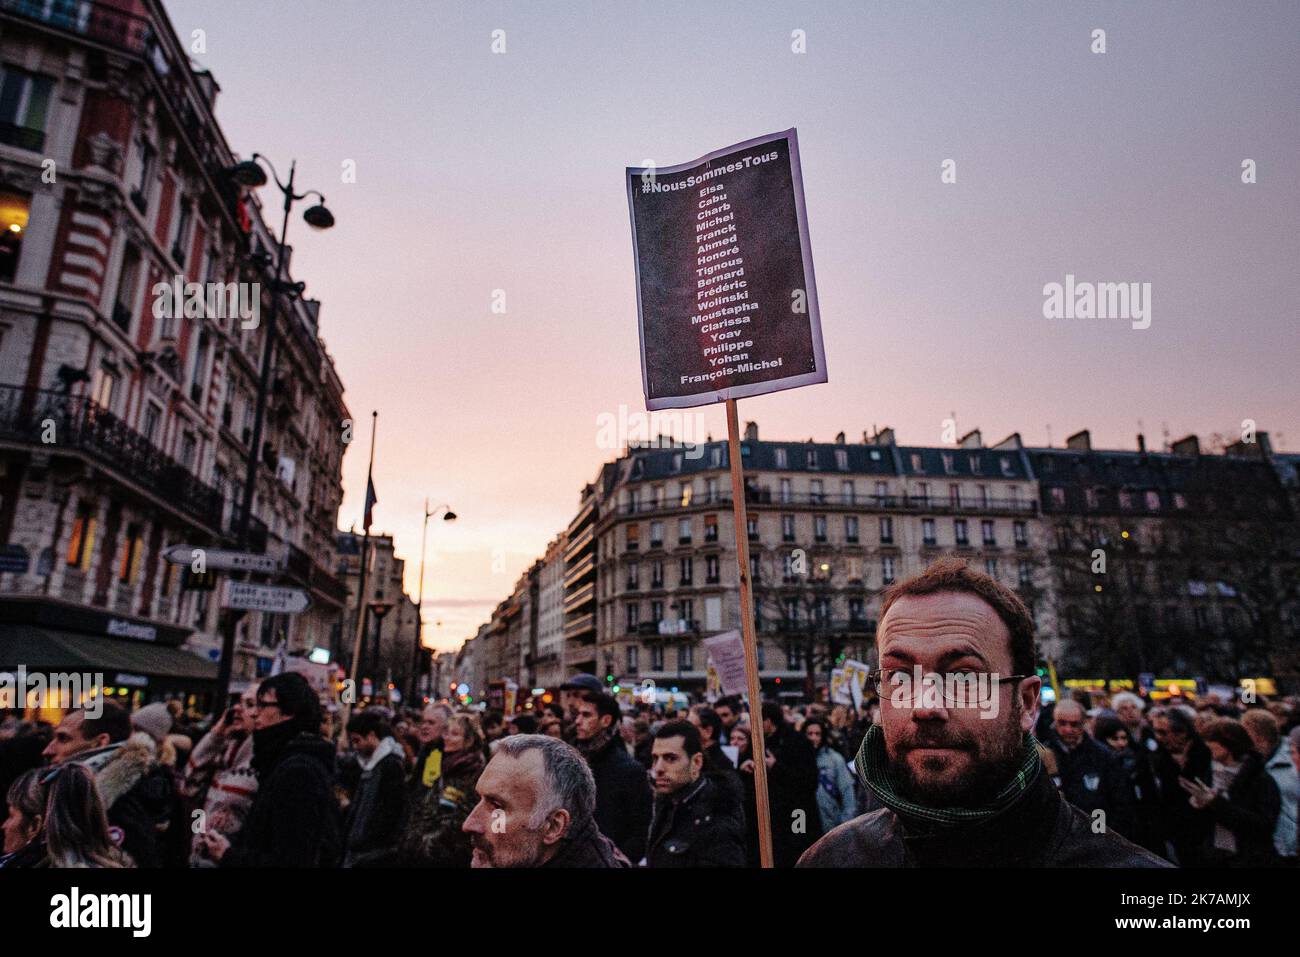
column 1231, row 734
column 1264, row 725
column 951, row 574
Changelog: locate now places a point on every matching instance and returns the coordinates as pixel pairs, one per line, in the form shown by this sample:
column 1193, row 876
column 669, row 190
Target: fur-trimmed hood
column 123, row 766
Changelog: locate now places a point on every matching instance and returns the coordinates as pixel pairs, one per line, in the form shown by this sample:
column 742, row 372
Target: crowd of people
column 582, row 782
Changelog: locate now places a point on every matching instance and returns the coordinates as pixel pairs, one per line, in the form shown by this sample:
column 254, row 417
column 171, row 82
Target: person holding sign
column 957, row 771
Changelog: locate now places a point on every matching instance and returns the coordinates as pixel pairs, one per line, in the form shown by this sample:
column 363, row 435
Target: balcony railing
column 836, row 500
column 94, row 21
column 23, row 137
column 80, row 424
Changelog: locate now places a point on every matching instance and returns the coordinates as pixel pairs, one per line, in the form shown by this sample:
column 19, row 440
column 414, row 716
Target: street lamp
column 250, row 173
column 417, row 662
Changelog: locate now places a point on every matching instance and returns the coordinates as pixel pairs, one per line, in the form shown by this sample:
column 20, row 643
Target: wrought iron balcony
column 81, row 425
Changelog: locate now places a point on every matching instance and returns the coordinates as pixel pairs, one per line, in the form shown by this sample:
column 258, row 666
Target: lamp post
column 249, row 173
column 417, row 662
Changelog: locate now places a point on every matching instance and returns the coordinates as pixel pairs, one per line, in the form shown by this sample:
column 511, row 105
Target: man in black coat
column 378, row 806
column 791, row 787
column 294, row 820
column 696, row 822
column 623, row 799
column 1091, row 777
column 1182, row 755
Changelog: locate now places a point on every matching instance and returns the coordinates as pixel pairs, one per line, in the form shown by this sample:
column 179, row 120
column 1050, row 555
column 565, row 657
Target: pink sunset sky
column 479, row 171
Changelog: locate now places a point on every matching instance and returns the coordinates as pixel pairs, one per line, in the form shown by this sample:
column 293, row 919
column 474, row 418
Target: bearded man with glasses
column 953, row 759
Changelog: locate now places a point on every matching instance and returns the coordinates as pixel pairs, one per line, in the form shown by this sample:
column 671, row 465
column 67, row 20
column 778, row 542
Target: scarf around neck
column 597, row 743
column 872, row 765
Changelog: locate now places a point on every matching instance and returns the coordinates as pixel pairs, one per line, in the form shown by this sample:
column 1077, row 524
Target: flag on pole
column 371, row 500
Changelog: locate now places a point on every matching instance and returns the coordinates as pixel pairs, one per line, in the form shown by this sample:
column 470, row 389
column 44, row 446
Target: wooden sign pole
column 740, row 520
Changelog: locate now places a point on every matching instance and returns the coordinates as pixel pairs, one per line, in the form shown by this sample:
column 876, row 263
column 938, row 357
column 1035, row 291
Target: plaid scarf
column 872, row 765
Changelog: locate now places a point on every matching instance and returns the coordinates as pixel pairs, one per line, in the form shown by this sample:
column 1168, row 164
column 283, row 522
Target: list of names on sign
column 725, row 289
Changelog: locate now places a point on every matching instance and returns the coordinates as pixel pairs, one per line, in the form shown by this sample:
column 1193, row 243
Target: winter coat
column 138, row 794
column 1040, row 829
column 294, row 820
column 702, row 827
column 623, row 798
column 1092, row 778
column 432, row 835
column 378, row 807
column 792, row 798
column 1249, row 811
column 219, row 779
column 586, row 847
column 837, row 800
column 1186, row 830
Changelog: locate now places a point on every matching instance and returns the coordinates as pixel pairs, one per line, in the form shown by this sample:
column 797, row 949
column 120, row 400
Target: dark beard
column 984, row 782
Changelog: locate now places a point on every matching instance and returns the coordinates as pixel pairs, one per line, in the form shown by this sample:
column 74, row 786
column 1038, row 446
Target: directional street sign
column 217, row 559
column 250, row 597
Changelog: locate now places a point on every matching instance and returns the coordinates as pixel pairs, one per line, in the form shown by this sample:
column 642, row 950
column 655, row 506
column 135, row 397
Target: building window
column 762, row 655
column 785, row 492
column 188, row 449
column 754, row 575
column 1058, row 497
column 140, row 192
column 711, row 569
column 180, row 238
column 787, row 567
column 656, row 534
column 960, row 532
column 131, row 555
column 24, row 105
column 751, row 526
column 81, row 543
column 986, row 530
column 927, row 532
column 856, row 610
column 782, row 460
column 793, row 658
column 152, row 414
column 686, row 490
column 947, row 462
column 715, row 457
column 633, row 576
column 887, row 569
column 918, row 463
column 711, row 490
column 1024, row 573
column 687, row 612
column 954, row 496
column 991, row 567
column 819, row 527
column 1021, row 533
column 686, row 571
column 886, row 530
column 685, row 657
column 1153, row 501
column 923, row 493
column 787, row 528
column 811, row 458
column 842, row 460
column 846, row 492
column 1125, row 500
column 656, row 612
column 1007, row 468
column 657, row 658
column 102, row 389
column 633, row 538
column 882, row 492
column 711, row 528
column 683, row 531
column 14, row 209
column 851, row 529
column 633, row 617
column 818, row 496
column 124, row 304
column 631, row 658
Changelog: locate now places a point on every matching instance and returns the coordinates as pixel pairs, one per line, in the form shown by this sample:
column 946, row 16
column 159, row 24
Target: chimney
column 884, row 437
column 839, row 439
column 1012, row 441
column 1188, row 445
column 1081, row 441
column 1142, row 443
column 751, row 431
column 971, row 440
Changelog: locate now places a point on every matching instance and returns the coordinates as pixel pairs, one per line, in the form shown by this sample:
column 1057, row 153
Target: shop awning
column 48, row 649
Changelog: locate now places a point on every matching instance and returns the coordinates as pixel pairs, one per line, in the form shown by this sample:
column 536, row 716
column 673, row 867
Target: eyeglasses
column 956, row 687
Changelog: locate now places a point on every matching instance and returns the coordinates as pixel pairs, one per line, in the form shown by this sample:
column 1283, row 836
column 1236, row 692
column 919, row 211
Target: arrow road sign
column 217, row 559
column 250, row 597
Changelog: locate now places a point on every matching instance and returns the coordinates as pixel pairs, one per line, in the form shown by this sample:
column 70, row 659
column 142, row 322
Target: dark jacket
column 378, row 807
column 792, row 796
column 1185, row 829
column 1092, row 778
column 702, row 827
column 1249, row 811
column 294, row 820
column 1040, row 829
column 623, row 798
column 138, row 793
column 586, row 847
column 432, row 836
